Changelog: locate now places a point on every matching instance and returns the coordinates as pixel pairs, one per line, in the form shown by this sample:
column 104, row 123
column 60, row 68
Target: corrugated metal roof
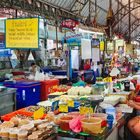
column 82, row 8
column 66, row 4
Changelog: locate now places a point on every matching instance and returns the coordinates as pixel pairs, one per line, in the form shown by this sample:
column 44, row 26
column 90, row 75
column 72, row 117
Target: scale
column 92, row 101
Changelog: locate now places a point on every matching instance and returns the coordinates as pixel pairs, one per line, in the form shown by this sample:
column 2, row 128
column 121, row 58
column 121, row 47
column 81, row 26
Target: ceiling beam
column 124, row 11
column 37, row 7
column 134, row 26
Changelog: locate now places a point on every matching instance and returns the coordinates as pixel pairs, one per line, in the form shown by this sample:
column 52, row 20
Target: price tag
column 63, row 108
column 90, row 109
column 108, row 79
column 82, row 110
column 39, row 113
column 55, row 105
column 70, row 103
column 86, row 110
column 102, row 45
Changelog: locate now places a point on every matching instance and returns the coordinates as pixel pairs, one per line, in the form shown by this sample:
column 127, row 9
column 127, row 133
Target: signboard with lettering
column 69, row 23
column 22, row 33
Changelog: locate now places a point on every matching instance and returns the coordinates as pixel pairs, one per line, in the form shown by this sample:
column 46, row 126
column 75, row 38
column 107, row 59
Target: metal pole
column 89, row 11
column 96, row 7
column 129, row 2
column 118, row 16
column 56, row 23
column 45, row 27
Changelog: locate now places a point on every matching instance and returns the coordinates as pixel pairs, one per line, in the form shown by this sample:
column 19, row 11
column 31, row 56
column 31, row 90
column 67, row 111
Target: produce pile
column 80, row 91
column 61, row 88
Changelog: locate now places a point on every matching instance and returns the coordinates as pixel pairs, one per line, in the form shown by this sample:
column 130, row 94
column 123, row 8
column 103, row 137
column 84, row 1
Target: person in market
column 134, row 123
column 87, row 65
column 34, row 68
column 127, row 65
column 61, row 63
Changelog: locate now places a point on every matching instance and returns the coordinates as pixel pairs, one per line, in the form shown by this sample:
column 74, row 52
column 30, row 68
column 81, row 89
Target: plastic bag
column 76, row 125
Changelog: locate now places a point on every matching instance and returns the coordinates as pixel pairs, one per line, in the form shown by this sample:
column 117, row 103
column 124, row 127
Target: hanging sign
column 102, row 45
column 86, row 48
column 69, row 23
column 22, row 33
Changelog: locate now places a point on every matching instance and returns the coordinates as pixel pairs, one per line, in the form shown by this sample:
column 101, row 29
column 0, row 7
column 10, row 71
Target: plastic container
column 28, row 127
column 42, row 126
column 22, row 135
column 64, row 122
column 137, row 98
column 33, row 137
column 13, row 134
column 47, row 88
column 5, row 138
column 5, row 132
column 37, row 122
column 102, row 116
column 111, row 111
column 38, row 133
column 110, row 119
column 28, row 93
column 91, row 125
column 12, row 138
column 7, row 100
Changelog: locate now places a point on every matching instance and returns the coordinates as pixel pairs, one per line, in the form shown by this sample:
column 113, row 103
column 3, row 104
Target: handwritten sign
column 63, row 108
column 108, row 79
column 102, row 45
column 39, row 113
column 86, row 110
column 71, row 103
column 22, row 33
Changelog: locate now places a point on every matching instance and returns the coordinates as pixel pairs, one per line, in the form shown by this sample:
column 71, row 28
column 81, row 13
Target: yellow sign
column 71, row 103
column 86, row 110
column 63, row 108
column 39, row 113
column 82, row 110
column 102, row 45
column 108, row 79
column 22, row 33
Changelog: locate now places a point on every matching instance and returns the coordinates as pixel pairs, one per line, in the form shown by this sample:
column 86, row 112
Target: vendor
column 134, row 123
column 87, row 65
column 61, row 63
column 127, row 65
column 34, row 68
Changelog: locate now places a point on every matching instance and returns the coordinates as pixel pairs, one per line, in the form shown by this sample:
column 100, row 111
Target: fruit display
column 66, row 98
column 61, row 88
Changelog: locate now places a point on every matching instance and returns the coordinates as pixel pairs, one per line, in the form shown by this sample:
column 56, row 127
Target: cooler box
column 47, row 87
column 28, row 93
